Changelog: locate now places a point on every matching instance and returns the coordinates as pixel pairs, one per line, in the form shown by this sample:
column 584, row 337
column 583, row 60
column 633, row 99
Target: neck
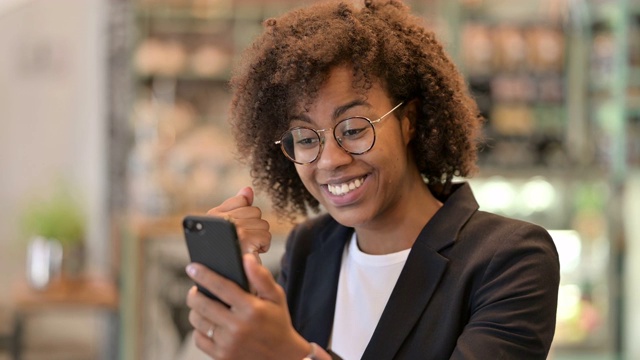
column 399, row 227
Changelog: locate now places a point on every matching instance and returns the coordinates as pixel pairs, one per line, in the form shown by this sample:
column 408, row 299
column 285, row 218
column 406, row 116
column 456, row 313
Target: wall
column 52, row 122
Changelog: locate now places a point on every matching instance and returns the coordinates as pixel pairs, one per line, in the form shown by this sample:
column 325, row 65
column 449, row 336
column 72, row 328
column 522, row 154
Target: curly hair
column 380, row 41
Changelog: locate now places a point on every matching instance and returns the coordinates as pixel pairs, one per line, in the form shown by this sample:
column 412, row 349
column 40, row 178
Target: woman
column 359, row 111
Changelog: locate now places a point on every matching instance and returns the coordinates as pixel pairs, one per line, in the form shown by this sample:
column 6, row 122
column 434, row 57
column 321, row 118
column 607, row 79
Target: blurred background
column 113, row 126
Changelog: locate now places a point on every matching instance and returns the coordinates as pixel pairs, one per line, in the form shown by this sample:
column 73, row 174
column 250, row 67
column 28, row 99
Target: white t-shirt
column 365, row 284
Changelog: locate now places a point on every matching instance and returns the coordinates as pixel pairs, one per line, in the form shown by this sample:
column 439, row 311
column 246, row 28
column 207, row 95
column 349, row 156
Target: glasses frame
column 332, row 129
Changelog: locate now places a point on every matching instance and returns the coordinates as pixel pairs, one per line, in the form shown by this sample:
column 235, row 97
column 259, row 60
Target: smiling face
column 359, row 190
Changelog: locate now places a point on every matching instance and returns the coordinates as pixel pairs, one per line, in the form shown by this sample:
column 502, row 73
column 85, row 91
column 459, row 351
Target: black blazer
column 475, row 286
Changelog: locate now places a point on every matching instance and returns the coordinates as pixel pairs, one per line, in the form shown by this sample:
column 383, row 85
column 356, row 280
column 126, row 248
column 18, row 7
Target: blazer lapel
column 407, row 302
column 420, row 276
column 321, row 286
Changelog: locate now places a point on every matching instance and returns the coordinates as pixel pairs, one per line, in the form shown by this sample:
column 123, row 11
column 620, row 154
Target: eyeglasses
column 355, row 135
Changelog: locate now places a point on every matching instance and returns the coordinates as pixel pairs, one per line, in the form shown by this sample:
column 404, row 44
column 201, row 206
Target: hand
column 253, row 231
column 253, row 327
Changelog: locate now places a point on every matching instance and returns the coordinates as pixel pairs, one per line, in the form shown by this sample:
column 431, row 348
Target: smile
column 345, row 188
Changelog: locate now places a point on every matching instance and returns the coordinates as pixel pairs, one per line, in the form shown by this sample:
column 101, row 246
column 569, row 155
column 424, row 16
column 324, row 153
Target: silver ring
column 210, row 332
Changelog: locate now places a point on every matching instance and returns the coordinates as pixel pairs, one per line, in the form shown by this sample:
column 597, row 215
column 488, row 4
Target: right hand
column 252, row 327
column 253, row 230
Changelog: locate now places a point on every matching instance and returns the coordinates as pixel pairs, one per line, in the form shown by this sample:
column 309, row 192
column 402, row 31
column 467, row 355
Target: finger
column 226, row 290
column 205, row 344
column 210, row 310
column 201, row 324
column 254, row 235
column 232, row 203
column 236, row 210
column 243, row 198
column 250, row 221
column 245, row 212
column 247, row 192
column 254, row 241
column 262, row 281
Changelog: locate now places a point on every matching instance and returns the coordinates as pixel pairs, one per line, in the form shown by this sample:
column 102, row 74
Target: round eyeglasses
column 355, row 135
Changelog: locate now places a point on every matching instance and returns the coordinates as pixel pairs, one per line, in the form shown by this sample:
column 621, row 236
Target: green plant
column 58, row 217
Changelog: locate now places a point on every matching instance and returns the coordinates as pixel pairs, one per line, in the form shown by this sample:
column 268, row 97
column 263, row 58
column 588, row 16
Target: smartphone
column 213, row 242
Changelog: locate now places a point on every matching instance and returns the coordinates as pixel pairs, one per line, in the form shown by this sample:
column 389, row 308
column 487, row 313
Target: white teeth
column 341, row 189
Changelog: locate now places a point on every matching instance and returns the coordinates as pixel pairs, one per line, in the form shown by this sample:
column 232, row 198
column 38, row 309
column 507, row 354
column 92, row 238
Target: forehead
column 342, row 87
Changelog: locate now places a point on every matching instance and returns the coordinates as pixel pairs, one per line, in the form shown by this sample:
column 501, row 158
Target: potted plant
column 59, row 219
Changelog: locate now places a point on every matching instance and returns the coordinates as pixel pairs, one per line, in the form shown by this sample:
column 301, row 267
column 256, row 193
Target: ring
column 210, row 332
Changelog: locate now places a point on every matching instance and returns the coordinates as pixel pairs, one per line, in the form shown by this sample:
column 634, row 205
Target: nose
column 332, row 156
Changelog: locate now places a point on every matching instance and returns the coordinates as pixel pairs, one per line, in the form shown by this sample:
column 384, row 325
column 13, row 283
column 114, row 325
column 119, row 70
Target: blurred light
column 569, row 247
column 538, row 194
column 568, row 302
column 496, row 194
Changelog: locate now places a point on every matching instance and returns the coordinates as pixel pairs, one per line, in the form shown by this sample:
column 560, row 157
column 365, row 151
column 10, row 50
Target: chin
column 349, row 218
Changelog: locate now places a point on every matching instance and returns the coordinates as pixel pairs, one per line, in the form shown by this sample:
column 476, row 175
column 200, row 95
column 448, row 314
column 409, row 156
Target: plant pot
column 73, row 260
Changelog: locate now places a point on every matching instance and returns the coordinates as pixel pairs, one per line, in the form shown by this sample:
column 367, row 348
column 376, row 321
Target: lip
column 349, row 198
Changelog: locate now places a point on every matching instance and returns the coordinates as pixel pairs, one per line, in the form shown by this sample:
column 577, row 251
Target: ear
column 408, row 121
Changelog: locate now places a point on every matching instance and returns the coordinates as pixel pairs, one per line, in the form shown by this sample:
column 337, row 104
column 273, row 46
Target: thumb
column 247, row 192
column 261, row 280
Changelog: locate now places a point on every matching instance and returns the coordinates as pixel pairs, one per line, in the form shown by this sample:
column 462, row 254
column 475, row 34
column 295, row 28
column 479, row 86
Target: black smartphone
column 213, row 242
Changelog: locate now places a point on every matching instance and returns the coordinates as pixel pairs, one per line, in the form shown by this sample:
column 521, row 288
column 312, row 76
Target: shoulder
column 498, row 241
column 321, row 234
column 315, row 233
column 498, row 229
column 314, row 226
column 462, row 228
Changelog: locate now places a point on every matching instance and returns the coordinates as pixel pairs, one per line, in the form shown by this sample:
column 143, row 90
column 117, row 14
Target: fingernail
column 191, row 270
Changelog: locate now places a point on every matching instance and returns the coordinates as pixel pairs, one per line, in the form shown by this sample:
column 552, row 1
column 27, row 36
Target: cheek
column 306, row 175
column 394, row 154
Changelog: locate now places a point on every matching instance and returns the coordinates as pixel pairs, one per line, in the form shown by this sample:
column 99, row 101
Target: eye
column 307, row 141
column 354, row 132
column 304, row 138
column 352, row 129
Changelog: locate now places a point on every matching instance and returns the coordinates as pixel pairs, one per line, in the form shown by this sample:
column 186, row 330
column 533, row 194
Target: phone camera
column 193, row 225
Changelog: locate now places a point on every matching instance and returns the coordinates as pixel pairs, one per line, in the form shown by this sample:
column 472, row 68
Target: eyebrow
column 339, row 111
column 342, row 109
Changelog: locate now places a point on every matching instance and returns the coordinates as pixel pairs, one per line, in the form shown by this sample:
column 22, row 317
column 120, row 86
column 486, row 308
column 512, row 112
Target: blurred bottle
column 44, row 261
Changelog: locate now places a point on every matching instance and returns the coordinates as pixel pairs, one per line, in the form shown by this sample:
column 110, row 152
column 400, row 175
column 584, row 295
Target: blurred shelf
column 68, row 292
column 189, row 15
column 221, row 78
column 569, row 173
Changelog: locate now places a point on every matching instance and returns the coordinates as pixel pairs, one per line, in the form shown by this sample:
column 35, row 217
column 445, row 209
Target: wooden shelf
column 71, row 292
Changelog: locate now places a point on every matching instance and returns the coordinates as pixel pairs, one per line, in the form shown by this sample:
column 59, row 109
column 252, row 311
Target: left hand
column 252, row 229
column 253, row 327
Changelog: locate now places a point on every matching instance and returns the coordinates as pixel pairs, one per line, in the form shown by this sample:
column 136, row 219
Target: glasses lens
column 301, row 145
column 356, row 135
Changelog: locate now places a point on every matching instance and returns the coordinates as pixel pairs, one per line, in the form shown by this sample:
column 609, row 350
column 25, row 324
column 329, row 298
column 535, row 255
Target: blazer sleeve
column 513, row 309
column 297, row 248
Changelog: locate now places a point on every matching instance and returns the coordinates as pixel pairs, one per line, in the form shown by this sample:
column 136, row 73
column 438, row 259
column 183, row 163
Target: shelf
column 184, row 14
column 185, row 76
column 570, row 173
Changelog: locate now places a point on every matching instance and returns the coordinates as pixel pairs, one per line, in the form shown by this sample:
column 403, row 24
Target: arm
column 254, row 325
column 513, row 310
